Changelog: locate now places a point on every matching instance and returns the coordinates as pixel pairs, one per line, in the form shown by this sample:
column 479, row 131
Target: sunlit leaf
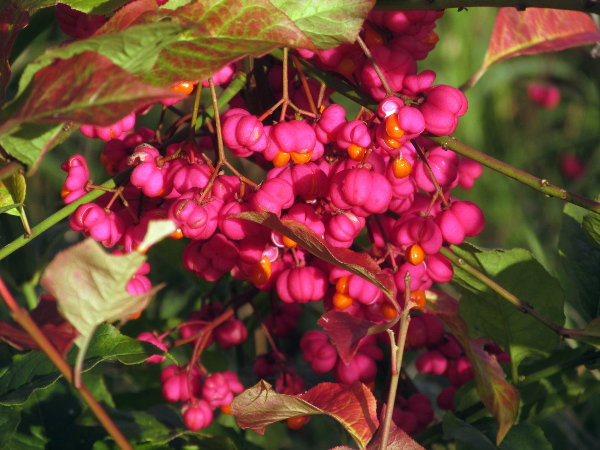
column 499, row 396
column 359, row 264
column 536, row 30
column 157, row 231
column 352, row 405
column 89, row 285
column 329, row 23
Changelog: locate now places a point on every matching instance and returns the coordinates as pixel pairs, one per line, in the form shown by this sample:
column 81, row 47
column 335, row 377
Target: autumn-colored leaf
column 60, row 332
column 346, row 331
column 89, row 285
column 87, row 88
column 359, row 264
column 12, row 20
column 499, row 396
column 536, row 30
column 353, row 406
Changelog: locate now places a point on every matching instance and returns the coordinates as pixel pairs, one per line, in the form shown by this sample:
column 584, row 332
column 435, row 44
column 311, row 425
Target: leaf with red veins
column 359, row 264
column 354, row 406
column 346, row 331
column 398, row 439
column 534, row 31
column 87, row 88
column 216, row 33
column 58, row 331
column 12, row 21
column 499, row 396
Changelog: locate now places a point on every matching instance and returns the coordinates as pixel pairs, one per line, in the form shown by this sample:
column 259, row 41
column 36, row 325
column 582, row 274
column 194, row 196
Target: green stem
column 22, row 317
column 61, row 214
column 521, row 305
column 533, row 182
column 589, row 6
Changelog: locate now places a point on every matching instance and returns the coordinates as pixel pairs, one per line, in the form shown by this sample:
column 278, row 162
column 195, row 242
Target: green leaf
column 466, row 435
column 10, row 417
column 475, row 436
column 569, row 387
column 328, row 24
column 487, row 314
column 30, row 142
column 12, row 192
column 499, row 396
column 591, row 227
column 33, row 370
column 86, row 6
column 581, row 259
column 22, row 441
column 157, row 425
column 351, row 405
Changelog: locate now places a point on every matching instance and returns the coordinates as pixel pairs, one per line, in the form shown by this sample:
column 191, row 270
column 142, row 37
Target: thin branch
column 521, row 305
column 22, row 317
column 61, row 214
column 397, row 356
column 539, row 184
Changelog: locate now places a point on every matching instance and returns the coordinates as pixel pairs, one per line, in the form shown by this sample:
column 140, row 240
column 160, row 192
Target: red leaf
column 87, row 88
column 359, row 264
column 353, row 406
column 346, row 331
column 499, row 396
column 60, row 332
column 12, row 20
column 536, row 30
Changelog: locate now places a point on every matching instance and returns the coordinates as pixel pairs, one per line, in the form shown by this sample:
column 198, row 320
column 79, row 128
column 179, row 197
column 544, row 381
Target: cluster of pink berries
column 200, row 395
column 377, row 174
column 443, row 356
